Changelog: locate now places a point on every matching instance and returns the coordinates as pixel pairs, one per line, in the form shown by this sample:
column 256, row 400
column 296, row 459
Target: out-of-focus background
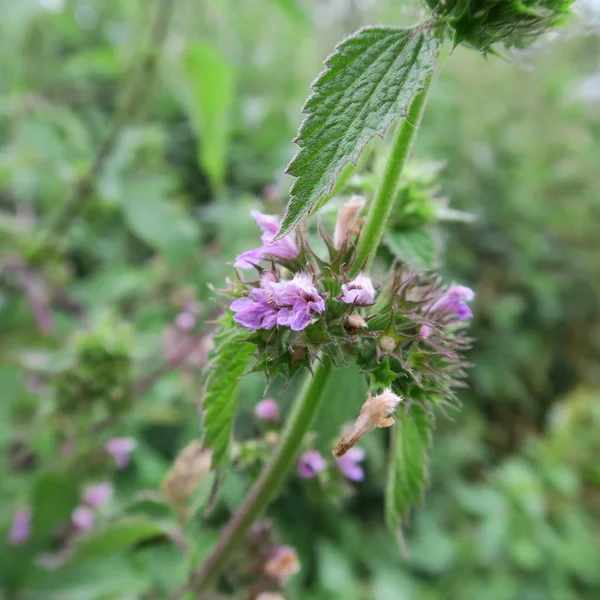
column 126, row 180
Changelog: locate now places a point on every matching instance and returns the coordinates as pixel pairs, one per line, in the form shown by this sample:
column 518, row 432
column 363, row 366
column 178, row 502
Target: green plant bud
column 514, row 23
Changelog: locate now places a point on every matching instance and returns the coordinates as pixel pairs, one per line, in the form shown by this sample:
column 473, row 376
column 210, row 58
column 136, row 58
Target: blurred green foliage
column 514, row 506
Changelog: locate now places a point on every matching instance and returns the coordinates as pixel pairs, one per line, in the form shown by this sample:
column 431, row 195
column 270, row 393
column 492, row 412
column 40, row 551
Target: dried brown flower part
column 282, row 564
column 355, row 321
column 347, row 220
column 191, row 465
column 375, row 412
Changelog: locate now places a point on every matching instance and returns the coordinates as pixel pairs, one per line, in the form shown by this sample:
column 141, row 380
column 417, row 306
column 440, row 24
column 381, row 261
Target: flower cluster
column 406, row 336
column 482, row 23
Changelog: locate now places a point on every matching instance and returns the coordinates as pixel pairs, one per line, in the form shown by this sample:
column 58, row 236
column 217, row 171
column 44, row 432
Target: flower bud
column 282, row 564
column 310, row 464
column 83, row 518
column 354, row 322
column 388, row 343
column 267, row 410
column 346, row 221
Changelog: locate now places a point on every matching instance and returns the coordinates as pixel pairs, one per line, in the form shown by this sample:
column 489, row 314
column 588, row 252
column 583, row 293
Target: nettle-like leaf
column 417, row 247
column 408, row 467
column 369, row 81
column 229, row 359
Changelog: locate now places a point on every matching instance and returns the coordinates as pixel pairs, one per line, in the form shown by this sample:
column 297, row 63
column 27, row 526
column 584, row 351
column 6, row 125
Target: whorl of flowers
column 405, row 335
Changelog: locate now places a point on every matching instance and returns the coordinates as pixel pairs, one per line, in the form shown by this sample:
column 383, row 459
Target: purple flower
column 267, row 410
column 97, row 495
column 359, row 291
column 349, row 464
column 310, row 464
column 455, row 301
column 290, row 303
column 83, row 518
column 120, row 448
column 299, row 300
column 20, row 529
column 257, row 311
column 283, row 248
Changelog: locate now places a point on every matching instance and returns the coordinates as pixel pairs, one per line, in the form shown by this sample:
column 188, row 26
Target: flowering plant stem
column 305, row 408
column 383, row 202
column 310, row 397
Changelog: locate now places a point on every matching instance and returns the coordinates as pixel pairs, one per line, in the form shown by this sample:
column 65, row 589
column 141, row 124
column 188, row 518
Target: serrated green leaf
column 229, row 358
column 210, row 92
column 408, row 469
column 413, row 246
column 370, row 80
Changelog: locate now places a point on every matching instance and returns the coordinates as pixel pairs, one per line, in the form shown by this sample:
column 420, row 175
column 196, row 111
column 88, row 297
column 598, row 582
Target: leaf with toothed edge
column 228, row 361
column 408, row 466
column 369, row 81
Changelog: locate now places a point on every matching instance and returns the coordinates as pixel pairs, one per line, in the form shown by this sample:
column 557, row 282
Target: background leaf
column 228, row 362
column 210, row 88
column 369, row 80
column 413, row 246
column 117, row 536
column 408, row 469
column 159, row 222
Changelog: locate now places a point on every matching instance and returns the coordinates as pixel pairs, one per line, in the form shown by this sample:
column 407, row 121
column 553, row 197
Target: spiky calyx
column 513, row 23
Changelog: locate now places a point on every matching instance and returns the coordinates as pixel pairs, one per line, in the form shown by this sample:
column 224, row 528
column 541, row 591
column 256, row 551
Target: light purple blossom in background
column 454, row 301
column 267, row 410
column 310, row 464
column 120, row 448
column 97, row 495
column 185, row 321
column 290, row 303
column 283, row 248
column 349, row 464
column 83, row 518
column 20, row 529
column 359, row 291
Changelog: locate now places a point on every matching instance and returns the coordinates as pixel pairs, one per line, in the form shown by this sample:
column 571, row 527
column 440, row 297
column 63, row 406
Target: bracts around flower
column 406, row 335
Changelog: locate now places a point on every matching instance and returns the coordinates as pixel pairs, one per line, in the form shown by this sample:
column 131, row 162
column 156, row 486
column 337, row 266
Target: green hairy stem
column 383, row 202
column 311, row 395
column 306, row 406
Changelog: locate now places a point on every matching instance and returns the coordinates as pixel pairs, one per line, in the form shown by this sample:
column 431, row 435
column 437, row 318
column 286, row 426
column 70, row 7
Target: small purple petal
column 83, row 518
column 249, row 259
column 20, row 529
column 284, row 248
column 310, row 464
column 120, row 448
column 97, row 495
column 348, row 464
column 267, row 410
column 359, row 291
column 268, row 223
column 295, row 319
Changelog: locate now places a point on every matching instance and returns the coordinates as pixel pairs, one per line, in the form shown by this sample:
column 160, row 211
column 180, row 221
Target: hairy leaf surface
column 408, row 468
column 229, row 359
column 368, row 82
